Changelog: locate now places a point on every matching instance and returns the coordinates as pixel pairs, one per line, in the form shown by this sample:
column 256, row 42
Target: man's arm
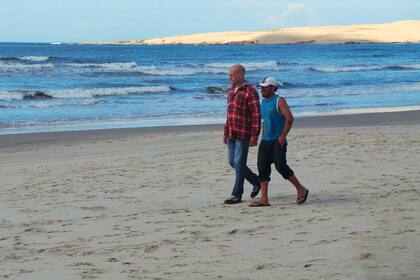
column 226, row 128
column 254, row 106
column 225, row 134
column 285, row 110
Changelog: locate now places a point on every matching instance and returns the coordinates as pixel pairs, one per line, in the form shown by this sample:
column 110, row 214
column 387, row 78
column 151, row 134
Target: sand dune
column 406, row 31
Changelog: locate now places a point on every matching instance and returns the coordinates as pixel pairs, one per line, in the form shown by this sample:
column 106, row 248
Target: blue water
column 85, row 87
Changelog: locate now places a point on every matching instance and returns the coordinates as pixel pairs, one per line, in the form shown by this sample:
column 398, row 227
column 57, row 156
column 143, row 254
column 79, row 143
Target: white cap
column 269, row 81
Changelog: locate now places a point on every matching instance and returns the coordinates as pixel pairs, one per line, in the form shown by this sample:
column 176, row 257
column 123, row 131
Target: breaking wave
column 82, row 93
column 27, row 58
column 334, row 69
column 33, row 63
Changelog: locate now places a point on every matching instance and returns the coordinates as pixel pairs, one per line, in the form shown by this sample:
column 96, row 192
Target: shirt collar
column 235, row 89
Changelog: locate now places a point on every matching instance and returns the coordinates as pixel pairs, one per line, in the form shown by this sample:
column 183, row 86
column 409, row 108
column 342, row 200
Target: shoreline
column 323, row 121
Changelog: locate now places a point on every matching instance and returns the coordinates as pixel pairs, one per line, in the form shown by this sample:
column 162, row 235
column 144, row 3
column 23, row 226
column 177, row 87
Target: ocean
column 59, row 87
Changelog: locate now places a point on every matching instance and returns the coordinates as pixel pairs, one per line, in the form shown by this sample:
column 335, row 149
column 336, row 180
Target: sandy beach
column 405, row 31
column 148, row 204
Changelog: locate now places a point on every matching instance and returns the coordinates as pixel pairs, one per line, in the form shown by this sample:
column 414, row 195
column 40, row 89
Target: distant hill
column 407, row 31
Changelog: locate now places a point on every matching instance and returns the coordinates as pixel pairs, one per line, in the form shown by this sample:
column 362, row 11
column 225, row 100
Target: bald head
column 237, row 75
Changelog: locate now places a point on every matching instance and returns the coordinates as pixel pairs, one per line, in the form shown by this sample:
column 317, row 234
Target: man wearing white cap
column 277, row 121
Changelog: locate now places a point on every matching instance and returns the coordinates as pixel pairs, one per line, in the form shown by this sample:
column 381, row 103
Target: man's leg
column 254, row 180
column 264, row 169
column 250, row 176
column 287, row 173
column 240, row 156
column 231, row 152
column 301, row 190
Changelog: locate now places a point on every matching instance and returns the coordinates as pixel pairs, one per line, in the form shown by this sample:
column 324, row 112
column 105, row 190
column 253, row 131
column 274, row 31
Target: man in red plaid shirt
column 243, row 125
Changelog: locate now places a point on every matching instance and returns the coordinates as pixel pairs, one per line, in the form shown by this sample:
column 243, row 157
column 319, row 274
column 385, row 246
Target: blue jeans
column 237, row 155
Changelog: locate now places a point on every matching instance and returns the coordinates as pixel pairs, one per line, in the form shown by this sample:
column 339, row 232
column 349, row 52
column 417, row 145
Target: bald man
column 243, row 124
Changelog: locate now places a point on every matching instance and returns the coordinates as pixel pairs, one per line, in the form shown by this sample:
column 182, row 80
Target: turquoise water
column 87, row 87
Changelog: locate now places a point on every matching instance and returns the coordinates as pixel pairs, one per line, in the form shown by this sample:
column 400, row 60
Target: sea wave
column 258, row 65
column 99, row 92
column 175, row 70
column 113, row 66
column 216, row 90
column 317, row 104
column 82, row 92
column 52, row 103
column 34, row 58
column 122, row 68
column 20, row 67
column 18, row 64
column 207, row 68
column 361, row 68
column 411, row 88
column 358, row 111
column 290, row 85
column 172, row 71
column 27, row 58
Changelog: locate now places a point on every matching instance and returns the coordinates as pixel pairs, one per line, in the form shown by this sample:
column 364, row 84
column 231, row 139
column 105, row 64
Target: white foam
column 92, row 124
column 87, row 93
column 55, row 103
column 258, row 65
column 152, row 70
column 97, row 92
column 413, row 66
column 190, row 70
column 34, row 58
column 359, row 111
column 10, row 95
column 116, row 66
column 19, row 67
column 353, row 90
column 209, row 68
column 335, row 69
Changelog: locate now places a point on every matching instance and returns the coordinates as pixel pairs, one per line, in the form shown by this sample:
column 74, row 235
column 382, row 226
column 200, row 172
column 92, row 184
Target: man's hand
column 282, row 140
column 225, row 139
column 253, row 142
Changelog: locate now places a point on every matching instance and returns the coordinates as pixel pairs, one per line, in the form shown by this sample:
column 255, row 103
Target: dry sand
column 406, row 31
column 147, row 204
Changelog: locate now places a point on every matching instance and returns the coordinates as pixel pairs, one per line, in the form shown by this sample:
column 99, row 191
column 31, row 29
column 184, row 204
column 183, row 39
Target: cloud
column 296, row 14
column 291, row 7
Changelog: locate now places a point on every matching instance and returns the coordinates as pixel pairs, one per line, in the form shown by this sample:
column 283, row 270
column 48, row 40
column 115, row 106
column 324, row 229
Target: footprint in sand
column 94, row 208
column 151, row 248
column 266, row 266
column 91, row 273
column 364, row 256
column 322, row 242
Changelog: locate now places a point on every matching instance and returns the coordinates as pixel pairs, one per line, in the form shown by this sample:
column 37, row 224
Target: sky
column 115, row 20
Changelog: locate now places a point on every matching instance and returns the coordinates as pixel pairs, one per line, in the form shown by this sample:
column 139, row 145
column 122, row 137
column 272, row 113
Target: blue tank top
column 272, row 118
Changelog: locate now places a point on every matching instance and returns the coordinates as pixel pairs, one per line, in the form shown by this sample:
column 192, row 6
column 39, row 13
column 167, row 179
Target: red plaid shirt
column 243, row 117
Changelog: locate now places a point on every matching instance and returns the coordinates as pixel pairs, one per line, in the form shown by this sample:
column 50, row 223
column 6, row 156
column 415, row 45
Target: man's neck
column 238, row 86
column 269, row 97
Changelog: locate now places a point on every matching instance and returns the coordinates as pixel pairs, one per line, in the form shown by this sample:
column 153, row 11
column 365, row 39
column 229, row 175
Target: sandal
column 302, row 199
column 256, row 203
